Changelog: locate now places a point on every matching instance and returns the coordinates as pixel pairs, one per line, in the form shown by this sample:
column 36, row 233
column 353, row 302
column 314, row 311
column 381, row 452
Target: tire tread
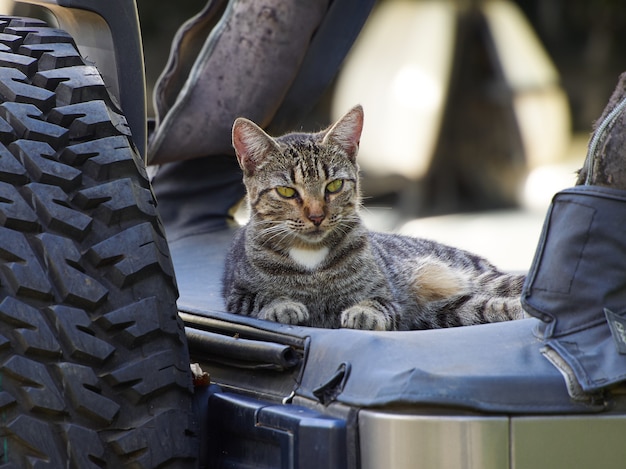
column 93, row 356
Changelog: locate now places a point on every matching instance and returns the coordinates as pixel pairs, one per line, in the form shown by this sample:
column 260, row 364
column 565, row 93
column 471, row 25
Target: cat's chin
column 311, row 239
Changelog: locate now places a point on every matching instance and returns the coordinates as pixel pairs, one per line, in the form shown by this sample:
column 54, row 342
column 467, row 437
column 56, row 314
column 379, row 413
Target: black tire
column 94, row 368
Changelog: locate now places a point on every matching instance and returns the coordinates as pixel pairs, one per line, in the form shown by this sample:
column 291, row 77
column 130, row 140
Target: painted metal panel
column 393, row 440
column 578, row 442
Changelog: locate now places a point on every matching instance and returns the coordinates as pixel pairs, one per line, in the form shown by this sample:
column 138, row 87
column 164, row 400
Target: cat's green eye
column 286, row 192
column 334, row 186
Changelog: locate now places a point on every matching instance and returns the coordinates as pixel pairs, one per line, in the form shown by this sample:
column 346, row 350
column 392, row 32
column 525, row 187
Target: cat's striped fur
column 306, row 258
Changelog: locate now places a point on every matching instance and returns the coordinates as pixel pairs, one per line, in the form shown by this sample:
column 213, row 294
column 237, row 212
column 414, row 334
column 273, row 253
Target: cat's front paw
column 365, row 317
column 286, row 312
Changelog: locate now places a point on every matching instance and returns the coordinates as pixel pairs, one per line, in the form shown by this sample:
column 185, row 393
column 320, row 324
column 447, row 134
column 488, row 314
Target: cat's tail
column 496, row 299
column 490, row 297
column 501, row 284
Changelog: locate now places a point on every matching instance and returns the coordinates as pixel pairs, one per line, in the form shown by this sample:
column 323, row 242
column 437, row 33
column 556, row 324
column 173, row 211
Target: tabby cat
column 306, row 258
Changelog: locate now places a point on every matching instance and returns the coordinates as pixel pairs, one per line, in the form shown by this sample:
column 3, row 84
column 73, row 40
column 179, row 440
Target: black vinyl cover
column 577, row 283
column 490, row 368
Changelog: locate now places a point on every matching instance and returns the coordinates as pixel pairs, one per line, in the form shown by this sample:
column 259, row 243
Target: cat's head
column 302, row 188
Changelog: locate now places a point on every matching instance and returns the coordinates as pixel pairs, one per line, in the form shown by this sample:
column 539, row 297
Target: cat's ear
column 346, row 132
column 251, row 144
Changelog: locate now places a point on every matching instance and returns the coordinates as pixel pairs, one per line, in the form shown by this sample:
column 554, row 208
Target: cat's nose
column 317, row 218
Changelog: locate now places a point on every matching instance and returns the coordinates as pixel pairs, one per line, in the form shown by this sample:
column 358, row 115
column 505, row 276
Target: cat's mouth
column 314, row 234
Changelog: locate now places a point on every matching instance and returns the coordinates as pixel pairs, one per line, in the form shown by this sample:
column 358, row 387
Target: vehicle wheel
column 94, row 367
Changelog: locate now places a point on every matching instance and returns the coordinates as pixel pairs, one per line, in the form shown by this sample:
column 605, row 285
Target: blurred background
column 477, row 112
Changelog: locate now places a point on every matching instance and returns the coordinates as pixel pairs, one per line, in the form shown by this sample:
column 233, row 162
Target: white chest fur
column 309, row 258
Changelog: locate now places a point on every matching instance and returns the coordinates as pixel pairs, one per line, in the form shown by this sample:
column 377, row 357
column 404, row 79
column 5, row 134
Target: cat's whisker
column 271, row 227
column 343, row 228
column 276, row 234
column 363, row 207
column 272, row 232
column 261, row 231
column 258, row 223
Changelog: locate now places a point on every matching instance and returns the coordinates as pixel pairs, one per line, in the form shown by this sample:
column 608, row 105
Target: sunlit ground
column 507, row 238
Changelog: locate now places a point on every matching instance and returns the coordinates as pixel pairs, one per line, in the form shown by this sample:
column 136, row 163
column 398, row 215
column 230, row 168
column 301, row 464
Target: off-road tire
column 94, row 368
